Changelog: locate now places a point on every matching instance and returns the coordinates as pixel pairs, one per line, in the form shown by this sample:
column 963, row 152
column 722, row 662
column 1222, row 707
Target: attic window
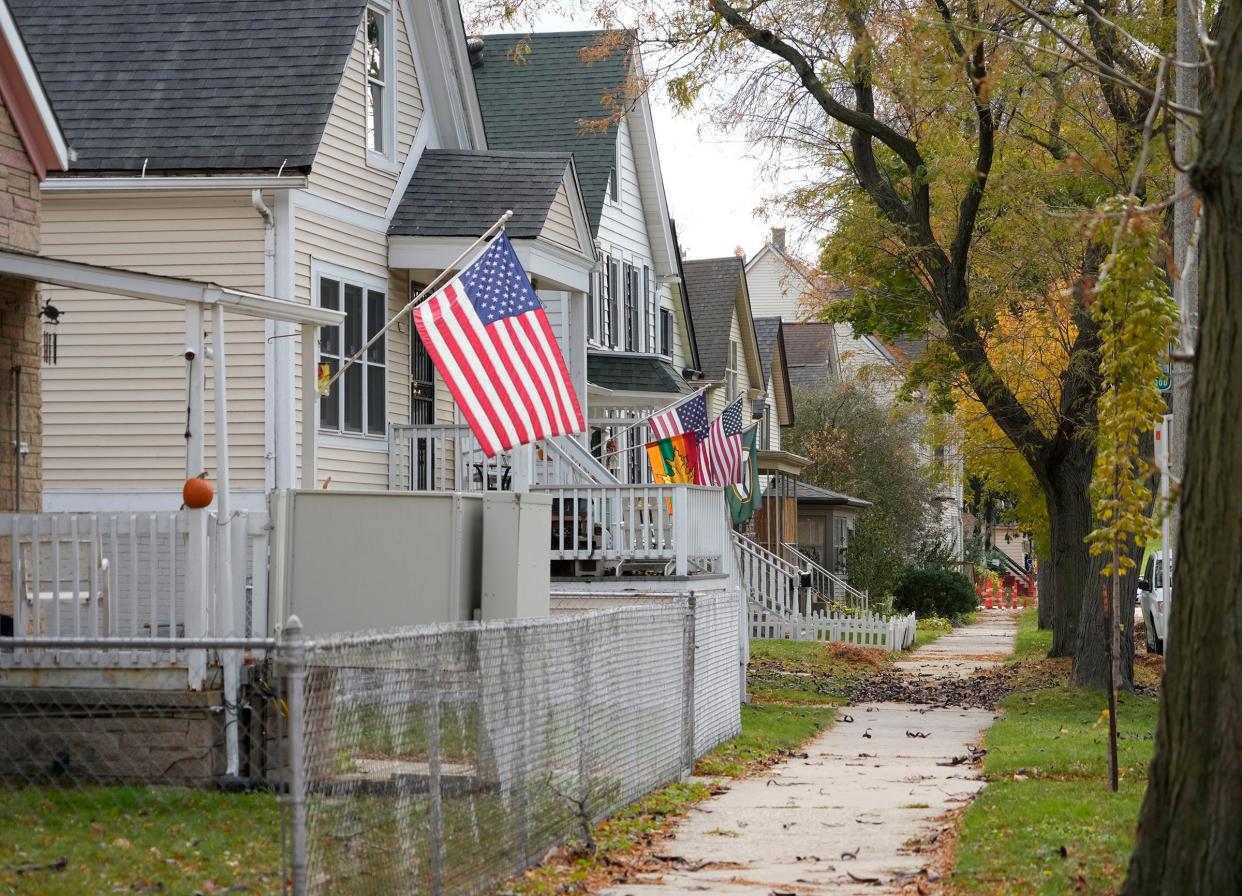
column 380, row 95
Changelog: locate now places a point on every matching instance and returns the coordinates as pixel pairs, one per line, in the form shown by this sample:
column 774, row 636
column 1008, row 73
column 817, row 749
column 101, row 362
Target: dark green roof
column 623, row 372
column 544, row 102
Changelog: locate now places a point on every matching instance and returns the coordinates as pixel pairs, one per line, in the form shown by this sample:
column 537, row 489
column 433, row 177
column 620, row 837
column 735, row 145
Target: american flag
column 688, row 415
column 489, row 337
column 722, row 449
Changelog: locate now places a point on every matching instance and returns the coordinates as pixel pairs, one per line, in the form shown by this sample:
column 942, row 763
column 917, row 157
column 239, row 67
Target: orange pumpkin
column 197, row 492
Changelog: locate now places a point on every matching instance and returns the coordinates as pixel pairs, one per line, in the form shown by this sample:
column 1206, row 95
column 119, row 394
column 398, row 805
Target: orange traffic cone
column 987, row 600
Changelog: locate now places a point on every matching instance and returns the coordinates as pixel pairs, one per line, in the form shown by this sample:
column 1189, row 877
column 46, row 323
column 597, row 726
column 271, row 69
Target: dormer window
column 380, row 89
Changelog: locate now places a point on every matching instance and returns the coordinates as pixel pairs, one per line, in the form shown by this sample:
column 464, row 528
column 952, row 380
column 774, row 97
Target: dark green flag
column 744, row 497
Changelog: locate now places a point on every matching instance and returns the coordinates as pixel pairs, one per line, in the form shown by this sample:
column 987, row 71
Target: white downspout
column 269, row 330
column 278, row 254
column 231, row 659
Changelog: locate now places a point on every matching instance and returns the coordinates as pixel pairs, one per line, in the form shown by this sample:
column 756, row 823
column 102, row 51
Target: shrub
column 928, row 591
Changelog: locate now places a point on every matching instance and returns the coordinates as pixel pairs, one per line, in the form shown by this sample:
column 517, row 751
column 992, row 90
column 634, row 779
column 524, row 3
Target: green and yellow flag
column 675, row 459
column 745, row 496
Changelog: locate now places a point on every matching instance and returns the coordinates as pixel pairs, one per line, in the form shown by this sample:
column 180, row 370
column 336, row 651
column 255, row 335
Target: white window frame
column 387, row 159
column 665, row 347
column 734, row 383
column 339, row 436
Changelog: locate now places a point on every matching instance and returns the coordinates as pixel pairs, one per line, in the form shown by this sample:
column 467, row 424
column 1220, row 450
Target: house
column 778, row 406
column 638, row 341
column 329, row 173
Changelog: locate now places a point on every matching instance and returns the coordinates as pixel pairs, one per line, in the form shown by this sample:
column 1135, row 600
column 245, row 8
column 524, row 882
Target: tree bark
column 1091, row 654
column 1069, row 523
column 1044, row 598
column 1190, row 829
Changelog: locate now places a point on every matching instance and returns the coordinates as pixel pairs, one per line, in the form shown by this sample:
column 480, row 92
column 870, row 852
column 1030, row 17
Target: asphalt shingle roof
column 462, row 193
column 767, row 332
column 808, row 353
column 634, row 373
column 190, row 85
column 541, row 103
column 813, row 494
column 711, row 286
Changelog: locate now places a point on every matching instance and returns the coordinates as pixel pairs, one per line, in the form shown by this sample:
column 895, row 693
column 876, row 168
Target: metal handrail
column 805, row 562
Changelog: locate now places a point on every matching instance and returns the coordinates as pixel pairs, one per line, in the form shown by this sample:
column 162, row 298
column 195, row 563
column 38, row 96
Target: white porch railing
column 770, row 581
column 826, row 587
column 123, row 575
column 683, row 526
column 448, row 458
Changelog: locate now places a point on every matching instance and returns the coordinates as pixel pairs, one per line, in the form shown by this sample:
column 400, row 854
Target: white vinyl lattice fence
column 890, row 633
column 444, row 759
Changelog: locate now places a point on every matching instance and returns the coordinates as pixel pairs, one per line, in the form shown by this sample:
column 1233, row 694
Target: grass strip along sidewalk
column 1047, row 822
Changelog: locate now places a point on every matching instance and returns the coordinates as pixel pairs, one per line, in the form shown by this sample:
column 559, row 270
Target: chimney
column 778, row 238
column 474, row 50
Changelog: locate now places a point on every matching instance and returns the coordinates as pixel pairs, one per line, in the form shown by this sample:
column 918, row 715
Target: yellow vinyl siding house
column 395, row 90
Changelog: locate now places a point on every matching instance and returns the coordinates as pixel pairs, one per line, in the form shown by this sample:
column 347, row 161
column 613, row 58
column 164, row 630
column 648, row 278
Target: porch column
column 196, row 593
column 576, row 355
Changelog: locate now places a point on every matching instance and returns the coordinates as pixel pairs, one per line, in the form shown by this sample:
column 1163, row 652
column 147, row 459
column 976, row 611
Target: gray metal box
column 355, row 560
column 517, row 531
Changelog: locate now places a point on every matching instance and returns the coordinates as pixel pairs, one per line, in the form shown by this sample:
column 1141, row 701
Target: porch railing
column 123, row 575
column 448, row 458
column 770, row 581
column 826, row 587
column 682, row 526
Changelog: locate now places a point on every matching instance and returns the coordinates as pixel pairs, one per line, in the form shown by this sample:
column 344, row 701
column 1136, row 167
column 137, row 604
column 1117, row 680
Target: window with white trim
column 649, row 310
column 357, row 402
column 381, row 105
column 666, row 332
column 631, row 287
column 731, row 372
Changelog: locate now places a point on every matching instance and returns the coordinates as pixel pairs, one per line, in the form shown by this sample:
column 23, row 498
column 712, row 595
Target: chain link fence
column 436, row 759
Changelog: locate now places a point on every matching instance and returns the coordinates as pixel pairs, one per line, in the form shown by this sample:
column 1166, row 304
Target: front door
column 422, row 412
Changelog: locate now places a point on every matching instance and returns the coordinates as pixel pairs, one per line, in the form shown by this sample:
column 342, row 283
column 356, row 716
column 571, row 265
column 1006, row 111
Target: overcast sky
column 713, row 181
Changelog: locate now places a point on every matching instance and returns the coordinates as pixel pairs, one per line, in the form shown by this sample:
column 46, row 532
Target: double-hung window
column 631, row 308
column 614, row 302
column 649, row 310
column 591, row 299
column 381, row 106
column 357, row 402
column 732, row 372
column 666, row 332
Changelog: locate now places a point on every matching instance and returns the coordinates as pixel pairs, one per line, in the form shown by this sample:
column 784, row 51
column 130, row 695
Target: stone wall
column 21, row 342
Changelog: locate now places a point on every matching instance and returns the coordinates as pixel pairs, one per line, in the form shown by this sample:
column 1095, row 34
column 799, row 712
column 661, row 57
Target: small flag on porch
column 688, row 415
column 675, row 459
column 321, row 381
column 745, row 496
column 722, row 449
column 488, row 335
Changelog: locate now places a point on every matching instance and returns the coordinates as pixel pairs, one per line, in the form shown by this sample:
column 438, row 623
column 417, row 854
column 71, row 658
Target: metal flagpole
column 431, row 287
column 621, row 432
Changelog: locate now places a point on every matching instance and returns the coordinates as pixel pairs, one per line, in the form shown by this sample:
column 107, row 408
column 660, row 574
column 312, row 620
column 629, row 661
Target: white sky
column 712, row 180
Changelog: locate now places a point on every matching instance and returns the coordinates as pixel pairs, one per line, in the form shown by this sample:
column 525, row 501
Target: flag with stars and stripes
column 688, row 415
column 721, row 450
column 490, row 340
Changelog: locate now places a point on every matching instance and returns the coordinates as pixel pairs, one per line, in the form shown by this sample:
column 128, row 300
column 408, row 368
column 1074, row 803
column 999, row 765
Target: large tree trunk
column 1069, row 523
column 1190, row 829
column 1091, row 656
column 1044, row 599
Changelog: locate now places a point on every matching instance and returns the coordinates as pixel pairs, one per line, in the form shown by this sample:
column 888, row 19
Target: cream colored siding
column 340, row 171
column 863, row 363
column 356, row 461
column 718, row 398
column 114, row 404
column 774, row 427
column 559, row 227
column 776, row 288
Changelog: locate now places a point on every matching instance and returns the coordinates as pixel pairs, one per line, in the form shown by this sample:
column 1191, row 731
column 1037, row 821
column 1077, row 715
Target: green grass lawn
column 138, row 840
column 809, row 672
column 1047, row 823
column 769, row 732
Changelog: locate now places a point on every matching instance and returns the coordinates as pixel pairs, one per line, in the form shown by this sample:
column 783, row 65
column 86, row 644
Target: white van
column 1151, row 597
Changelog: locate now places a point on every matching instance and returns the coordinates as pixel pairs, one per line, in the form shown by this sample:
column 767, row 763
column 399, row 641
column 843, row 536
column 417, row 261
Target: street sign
column 1164, row 382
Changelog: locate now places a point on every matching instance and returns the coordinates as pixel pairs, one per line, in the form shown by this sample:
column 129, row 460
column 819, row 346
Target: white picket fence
column 892, row 633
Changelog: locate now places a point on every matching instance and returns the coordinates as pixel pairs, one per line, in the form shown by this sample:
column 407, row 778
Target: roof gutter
column 126, row 184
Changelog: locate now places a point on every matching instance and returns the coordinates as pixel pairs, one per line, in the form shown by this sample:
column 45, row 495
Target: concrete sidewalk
column 837, row 821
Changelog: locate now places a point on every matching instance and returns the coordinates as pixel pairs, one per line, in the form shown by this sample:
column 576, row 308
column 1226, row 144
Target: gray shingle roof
column 808, row 353
column 634, row 373
column 190, row 85
column 767, row 332
column 813, row 494
column 462, row 193
column 711, row 285
column 541, row 103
